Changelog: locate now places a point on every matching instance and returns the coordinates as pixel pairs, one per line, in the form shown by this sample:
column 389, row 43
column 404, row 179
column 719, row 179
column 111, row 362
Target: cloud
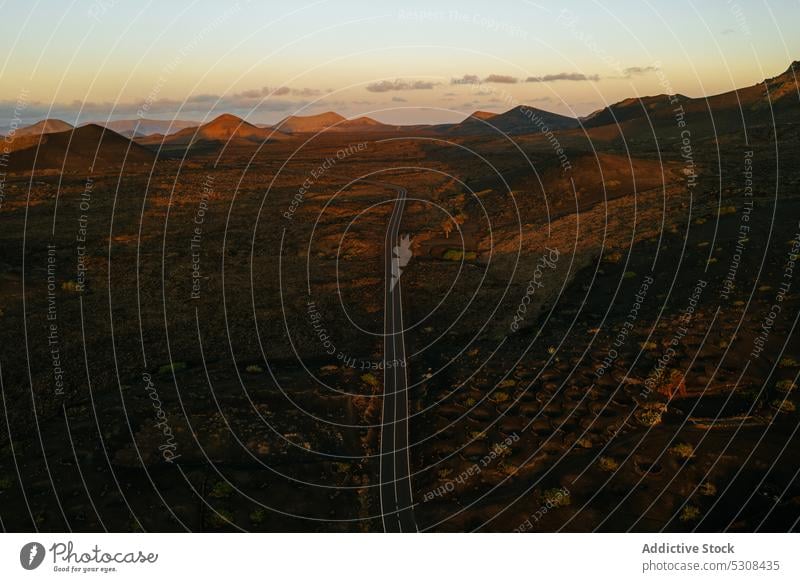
column 466, row 80
column 727, row 31
column 632, row 71
column 500, row 79
column 399, row 85
column 278, row 92
column 510, row 79
column 397, row 99
column 563, row 77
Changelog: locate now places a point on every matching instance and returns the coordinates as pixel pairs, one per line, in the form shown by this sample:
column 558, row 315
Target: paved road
column 397, row 504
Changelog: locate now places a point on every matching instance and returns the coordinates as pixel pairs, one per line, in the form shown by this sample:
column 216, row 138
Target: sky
column 399, row 62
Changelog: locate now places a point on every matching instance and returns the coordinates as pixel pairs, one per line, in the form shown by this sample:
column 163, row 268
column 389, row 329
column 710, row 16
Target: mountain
column 777, row 94
column 42, row 127
column 634, row 108
column 519, row 120
column 145, row 127
column 79, row 150
column 329, row 121
column 483, row 115
column 225, row 130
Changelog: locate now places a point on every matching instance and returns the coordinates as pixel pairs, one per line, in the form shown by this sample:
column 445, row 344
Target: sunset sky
column 91, row 60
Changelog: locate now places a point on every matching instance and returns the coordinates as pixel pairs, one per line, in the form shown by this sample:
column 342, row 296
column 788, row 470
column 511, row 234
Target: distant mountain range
column 47, row 141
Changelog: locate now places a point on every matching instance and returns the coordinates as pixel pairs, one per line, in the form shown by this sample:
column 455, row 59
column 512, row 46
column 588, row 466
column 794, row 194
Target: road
column 397, row 504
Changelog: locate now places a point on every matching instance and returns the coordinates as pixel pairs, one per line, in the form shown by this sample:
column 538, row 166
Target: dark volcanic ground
column 195, row 347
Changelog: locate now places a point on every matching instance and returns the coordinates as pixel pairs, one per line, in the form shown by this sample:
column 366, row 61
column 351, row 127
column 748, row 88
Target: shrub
column 72, row 286
column 784, row 405
column 785, row 385
column 220, row 518
column 707, row 489
column 254, row 369
column 221, row 490
column 259, row 516
column 788, row 363
column 607, row 464
column 671, row 384
column 649, row 414
column 458, row 255
column 172, row 367
column 556, row 497
column 690, row 513
column 500, row 397
column 683, row 451
column 370, row 379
